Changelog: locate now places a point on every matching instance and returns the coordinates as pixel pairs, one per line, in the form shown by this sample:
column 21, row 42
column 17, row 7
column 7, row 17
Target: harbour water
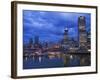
column 45, row 61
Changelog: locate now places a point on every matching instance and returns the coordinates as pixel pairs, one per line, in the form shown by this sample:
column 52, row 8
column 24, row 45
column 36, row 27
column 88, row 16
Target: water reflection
column 58, row 60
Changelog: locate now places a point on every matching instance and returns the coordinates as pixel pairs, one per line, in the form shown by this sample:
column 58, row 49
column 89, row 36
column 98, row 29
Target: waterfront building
column 88, row 41
column 37, row 43
column 82, row 32
column 65, row 41
column 30, row 45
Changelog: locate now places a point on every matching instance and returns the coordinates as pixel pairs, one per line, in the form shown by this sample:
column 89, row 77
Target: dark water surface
column 46, row 62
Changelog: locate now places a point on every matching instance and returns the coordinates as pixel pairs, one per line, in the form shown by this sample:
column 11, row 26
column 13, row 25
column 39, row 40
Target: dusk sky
column 49, row 26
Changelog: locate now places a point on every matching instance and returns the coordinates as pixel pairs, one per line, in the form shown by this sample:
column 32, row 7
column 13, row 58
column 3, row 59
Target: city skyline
column 53, row 44
column 49, row 26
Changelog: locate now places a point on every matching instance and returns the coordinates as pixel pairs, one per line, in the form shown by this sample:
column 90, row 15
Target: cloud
column 37, row 22
column 50, row 25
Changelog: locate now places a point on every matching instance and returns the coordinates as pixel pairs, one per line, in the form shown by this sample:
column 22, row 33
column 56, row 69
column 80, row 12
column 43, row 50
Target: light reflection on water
column 55, row 61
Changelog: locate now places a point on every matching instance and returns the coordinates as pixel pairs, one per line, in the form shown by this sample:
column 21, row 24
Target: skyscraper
column 36, row 39
column 30, row 43
column 82, row 31
column 65, row 41
column 37, row 43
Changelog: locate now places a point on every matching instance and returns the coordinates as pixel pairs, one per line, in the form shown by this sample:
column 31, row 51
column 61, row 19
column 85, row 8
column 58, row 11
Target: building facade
column 65, row 41
column 82, row 32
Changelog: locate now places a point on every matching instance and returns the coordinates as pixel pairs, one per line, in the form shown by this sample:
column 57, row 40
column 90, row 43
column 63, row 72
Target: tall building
column 36, row 42
column 82, row 32
column 88, row 40
column 65, row 41
column 36, row 39
column 65, row 38
column 30, row 43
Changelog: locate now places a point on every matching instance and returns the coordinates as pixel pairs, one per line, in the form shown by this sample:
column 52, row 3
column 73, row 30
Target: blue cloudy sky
column 49, row 26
